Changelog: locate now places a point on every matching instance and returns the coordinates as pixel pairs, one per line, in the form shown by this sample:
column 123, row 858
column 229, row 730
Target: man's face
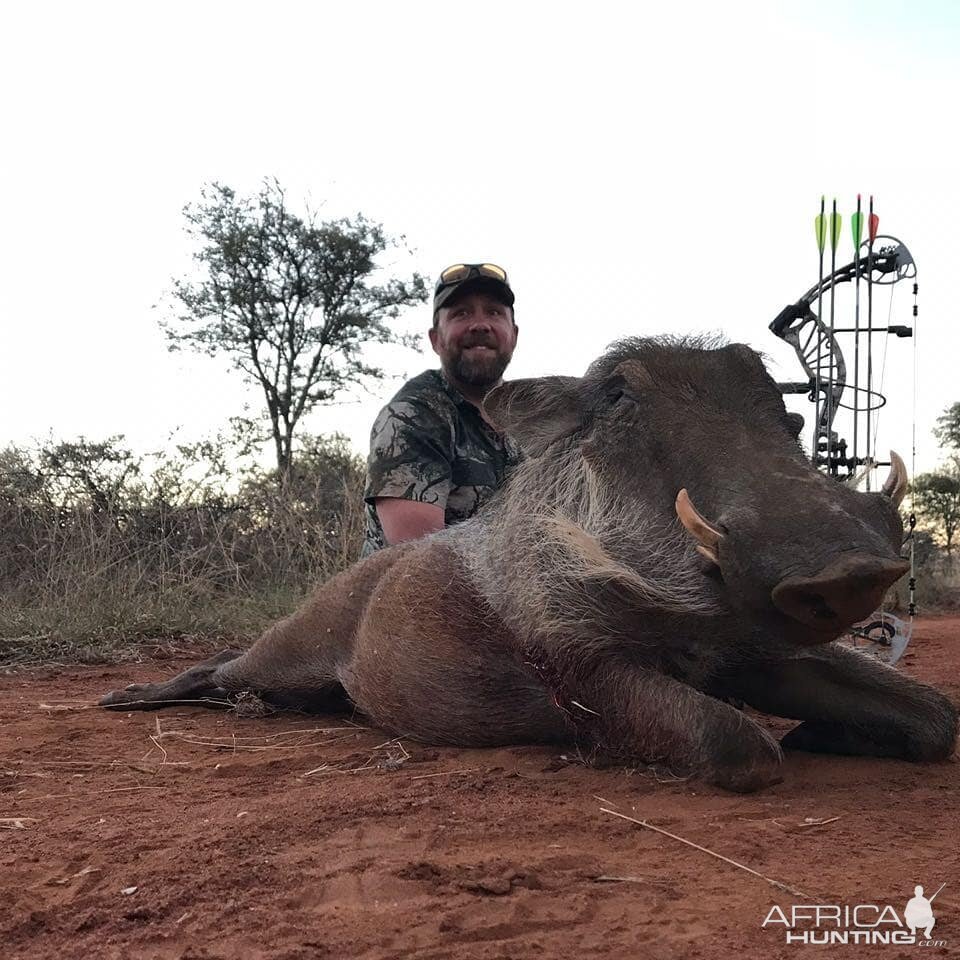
column 474, row 338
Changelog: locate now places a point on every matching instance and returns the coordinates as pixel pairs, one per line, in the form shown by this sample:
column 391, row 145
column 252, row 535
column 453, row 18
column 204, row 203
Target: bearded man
column 434, row 459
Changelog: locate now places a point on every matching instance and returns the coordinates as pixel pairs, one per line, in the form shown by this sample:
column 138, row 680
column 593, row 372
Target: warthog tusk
column 703, row 532
column 895, row 486
column 711, row 555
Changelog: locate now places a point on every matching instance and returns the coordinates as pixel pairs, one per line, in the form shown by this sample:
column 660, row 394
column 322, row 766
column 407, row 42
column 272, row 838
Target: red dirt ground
column 291, row 837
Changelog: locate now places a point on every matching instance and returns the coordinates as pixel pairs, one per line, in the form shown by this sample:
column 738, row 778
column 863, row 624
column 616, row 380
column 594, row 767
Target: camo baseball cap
column 459, row 277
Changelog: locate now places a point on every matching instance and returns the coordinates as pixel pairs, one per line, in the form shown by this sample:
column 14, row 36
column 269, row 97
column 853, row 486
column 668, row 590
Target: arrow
column 856, row 225
column 835, row 226
column 820, row 228
column 836, row 223
column 873, row 222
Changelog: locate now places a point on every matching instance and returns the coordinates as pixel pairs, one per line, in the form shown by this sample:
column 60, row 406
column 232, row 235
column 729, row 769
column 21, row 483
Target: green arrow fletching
column 820, row 226
column 856, row 227
column 836, row 225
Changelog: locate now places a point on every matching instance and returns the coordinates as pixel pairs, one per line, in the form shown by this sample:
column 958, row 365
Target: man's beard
column 480, row 371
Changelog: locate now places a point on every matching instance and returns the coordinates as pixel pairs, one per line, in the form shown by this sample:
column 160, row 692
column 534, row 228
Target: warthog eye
column 615, row 394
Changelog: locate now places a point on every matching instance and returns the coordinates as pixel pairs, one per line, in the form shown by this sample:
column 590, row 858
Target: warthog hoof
column 930, row 735
column 746, row 780
column 134, row 696
column 750, row 762
column 196, row 685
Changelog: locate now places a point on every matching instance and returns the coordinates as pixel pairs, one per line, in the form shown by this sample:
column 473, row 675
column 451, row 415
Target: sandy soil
column 195, row 834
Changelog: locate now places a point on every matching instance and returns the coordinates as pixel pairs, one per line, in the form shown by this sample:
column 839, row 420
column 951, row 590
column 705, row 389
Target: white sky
column 638, row 169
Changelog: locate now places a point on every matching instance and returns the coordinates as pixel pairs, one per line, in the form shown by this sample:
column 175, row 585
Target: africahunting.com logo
column 862, row 923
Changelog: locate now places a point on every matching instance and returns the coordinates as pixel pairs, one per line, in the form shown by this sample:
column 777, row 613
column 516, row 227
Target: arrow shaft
column 834, row 237
column 818, row 385
column 856, row 222
column 873, row 223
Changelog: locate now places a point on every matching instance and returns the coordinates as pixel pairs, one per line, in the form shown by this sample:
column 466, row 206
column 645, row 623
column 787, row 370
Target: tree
column 290, row 300
column 948, row 429
column 98, row 470
column 936, row 498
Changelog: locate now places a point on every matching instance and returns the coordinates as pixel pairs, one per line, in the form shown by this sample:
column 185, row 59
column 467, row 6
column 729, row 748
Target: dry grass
column 85, row 573
column 937, row 590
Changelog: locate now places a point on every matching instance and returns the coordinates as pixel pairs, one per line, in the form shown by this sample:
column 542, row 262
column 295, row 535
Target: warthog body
column 577, row 608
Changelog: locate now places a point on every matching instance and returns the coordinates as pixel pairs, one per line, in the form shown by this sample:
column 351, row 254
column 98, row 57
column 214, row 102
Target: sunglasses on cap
column 456, row 275
column 459, row 272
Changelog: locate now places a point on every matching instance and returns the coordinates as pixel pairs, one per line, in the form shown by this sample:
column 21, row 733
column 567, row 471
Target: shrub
column 99, row 548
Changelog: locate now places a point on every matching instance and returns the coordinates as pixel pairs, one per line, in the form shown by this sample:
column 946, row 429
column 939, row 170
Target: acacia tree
column 290, row 300
column 947, row 430
column 936, row 497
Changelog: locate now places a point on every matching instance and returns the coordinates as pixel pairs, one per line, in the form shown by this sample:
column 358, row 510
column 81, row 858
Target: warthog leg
column 851, row 703
column 196, row 685
column 636, row 713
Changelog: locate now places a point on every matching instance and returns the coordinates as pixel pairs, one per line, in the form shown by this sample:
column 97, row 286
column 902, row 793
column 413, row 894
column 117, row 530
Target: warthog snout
column 843, row 593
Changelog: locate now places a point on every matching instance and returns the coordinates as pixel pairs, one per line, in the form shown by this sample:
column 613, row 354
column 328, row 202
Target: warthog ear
column 633, row 374
column 536, row 412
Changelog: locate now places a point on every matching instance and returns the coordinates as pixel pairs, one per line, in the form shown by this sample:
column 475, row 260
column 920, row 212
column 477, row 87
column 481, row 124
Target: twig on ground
column 16, row 823
column 158, row 744
column 806, row 824
column 72, row 705
column 605, row 878
column 242, row 747
column 395, row 758
column 118, row 708
column 74, row 876
column 71, row 763
column 355, row 728
column 233, row 742
column 696, row 846
column 323, row 768
column 446, row 773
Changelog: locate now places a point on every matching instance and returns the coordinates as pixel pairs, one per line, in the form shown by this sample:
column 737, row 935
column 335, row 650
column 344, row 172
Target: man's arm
column 409, row 470
column 407, row 519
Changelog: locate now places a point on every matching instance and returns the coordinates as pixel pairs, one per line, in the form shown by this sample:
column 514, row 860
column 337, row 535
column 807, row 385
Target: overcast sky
column 638, row 169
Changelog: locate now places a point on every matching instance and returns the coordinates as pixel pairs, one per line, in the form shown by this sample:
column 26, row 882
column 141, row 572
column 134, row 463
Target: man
column 434, row 459
column 919, row 913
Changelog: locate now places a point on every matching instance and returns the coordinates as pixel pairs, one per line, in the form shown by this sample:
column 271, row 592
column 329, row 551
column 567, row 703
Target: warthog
column 577, row 608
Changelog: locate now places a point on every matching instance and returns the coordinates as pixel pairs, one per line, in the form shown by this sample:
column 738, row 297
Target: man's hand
column 407, row 519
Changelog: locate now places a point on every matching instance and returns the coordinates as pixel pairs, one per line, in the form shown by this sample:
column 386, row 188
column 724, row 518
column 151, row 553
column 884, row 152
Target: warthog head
column 688, row 431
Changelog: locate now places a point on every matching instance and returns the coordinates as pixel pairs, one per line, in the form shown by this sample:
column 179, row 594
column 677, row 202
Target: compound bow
column 879, row 260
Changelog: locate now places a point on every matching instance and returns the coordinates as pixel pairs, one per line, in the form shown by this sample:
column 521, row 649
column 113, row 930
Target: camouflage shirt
column 430, row 444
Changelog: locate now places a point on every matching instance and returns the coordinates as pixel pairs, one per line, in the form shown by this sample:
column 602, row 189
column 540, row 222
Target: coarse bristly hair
column 561, row 553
